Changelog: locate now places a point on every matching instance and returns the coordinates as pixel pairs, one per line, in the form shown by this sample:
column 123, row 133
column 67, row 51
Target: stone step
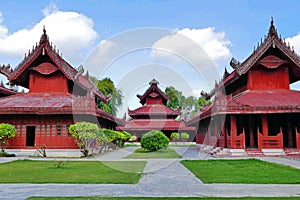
column 273, row 152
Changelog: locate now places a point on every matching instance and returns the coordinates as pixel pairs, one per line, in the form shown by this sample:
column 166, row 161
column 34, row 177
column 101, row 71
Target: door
column 30, row 136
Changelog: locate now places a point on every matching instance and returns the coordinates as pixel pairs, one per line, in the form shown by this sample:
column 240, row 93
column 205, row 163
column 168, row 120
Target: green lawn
column 26, row 171
column 162, row 198
column 141, row 153
column 250, row 171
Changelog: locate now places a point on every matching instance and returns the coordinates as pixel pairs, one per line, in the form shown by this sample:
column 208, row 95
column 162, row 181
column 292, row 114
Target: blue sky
column 229, row 28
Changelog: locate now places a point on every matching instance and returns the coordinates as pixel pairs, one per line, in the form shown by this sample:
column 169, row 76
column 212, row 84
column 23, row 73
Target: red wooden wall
column 39, row 83
column 45, row 131
column 264, row 79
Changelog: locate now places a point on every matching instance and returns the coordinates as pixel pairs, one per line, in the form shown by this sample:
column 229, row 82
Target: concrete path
column 162, row 177
column 283, row 161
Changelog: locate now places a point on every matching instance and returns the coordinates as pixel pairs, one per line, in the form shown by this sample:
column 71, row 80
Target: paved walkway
column 163, row 177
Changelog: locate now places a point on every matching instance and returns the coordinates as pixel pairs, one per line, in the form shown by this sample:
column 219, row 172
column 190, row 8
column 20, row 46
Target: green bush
column 154, row 140
column 115, row 137
column 185, row 136
column 175, row 136
column 84, row 133
column 7, row 131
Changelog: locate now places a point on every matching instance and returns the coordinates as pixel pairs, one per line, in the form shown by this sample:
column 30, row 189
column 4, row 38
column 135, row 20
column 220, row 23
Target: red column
column 233, row 130
column 251, row 131
column 265, row 125
column 289, row 132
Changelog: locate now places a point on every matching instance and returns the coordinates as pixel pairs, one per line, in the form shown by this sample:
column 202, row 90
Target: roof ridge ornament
column 153, row 82
column 272, row 29
column 44, row 37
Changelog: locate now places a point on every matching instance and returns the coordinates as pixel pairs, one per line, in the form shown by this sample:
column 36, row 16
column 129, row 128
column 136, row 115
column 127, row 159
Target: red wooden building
column 154, row 115
column 58, row 96
column 253, row 107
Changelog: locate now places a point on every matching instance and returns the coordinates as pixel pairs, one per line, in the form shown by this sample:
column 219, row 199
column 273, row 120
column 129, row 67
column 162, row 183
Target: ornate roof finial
column 272, row 29
column 44, row 30
column 44, row 37
column 272, row 21
column 226, row 74
column 153, row 82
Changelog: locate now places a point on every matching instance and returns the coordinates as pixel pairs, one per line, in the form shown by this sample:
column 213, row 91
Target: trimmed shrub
column 185, row 136
column 7, row 131
column 154, row 140
column 175, row 136
column 84, row 134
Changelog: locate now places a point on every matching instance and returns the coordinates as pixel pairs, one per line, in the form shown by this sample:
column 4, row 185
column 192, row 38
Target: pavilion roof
column 253, row 102
column 54, row 103
column 19, row 75
column 155, row 124
column 271, row 41
column 6, row 91
column 153, row 89
column 153, row 109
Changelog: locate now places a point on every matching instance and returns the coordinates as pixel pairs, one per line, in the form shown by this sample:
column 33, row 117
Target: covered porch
column 259, row 131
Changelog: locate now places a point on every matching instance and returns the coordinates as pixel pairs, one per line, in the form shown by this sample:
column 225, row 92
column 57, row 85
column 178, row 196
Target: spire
column 272, row 29
column 153, row 82
column 226, row 74
column 44, row 37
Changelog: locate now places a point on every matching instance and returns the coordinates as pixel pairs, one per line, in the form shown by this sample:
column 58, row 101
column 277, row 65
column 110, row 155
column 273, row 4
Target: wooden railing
column 270, row 141
column 238, row 142
column 228, row 140
column 221, row 141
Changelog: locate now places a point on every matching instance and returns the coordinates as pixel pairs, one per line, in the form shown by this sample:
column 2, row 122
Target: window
column 69, row 134
column 58, row 132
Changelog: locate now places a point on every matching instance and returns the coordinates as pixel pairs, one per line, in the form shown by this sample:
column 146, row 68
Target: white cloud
column 295, row 41
column 105, row 53
column 71, row 32
column 50, row 9
column 187, row 43
column 3, row 29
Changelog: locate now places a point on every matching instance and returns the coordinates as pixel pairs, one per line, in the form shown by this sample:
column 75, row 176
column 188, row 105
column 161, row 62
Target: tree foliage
column 7, row 131
column 189, row 105
column 175, row 136
column 107, row 87
column 92, row 139
column 84, row 134
column 154, row 140
column 184, row 136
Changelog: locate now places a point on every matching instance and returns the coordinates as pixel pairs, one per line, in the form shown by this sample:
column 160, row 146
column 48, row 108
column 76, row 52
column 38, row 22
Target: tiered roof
column 45, row 59
column 271, row 52
column 20, row 75
column 154, row 115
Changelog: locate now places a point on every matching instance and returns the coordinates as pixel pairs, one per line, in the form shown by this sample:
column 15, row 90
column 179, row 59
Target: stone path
column 162, row 177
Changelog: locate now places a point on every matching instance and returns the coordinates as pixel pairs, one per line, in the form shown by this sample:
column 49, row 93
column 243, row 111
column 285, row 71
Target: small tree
column 175, row 136
column 7, row 131
column 184, row 136
column 85, row 134
column 154, row 140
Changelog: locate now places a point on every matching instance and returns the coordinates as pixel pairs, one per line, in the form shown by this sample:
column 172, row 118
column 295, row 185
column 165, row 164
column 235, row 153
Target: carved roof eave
column 150, row 89
column 44, row 47
column 271, row 42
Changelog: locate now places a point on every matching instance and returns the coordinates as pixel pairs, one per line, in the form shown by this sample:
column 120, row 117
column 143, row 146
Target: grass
column 249, row 171
column 163, row 198
column 26, row 171
column 141, row 153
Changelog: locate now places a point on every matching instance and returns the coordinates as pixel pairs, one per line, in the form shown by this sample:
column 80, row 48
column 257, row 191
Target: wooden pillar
column 265, row 125
column 289, row 131
column 233, row 126
column 233, row 131
column 224, row 134
column 251, row 131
